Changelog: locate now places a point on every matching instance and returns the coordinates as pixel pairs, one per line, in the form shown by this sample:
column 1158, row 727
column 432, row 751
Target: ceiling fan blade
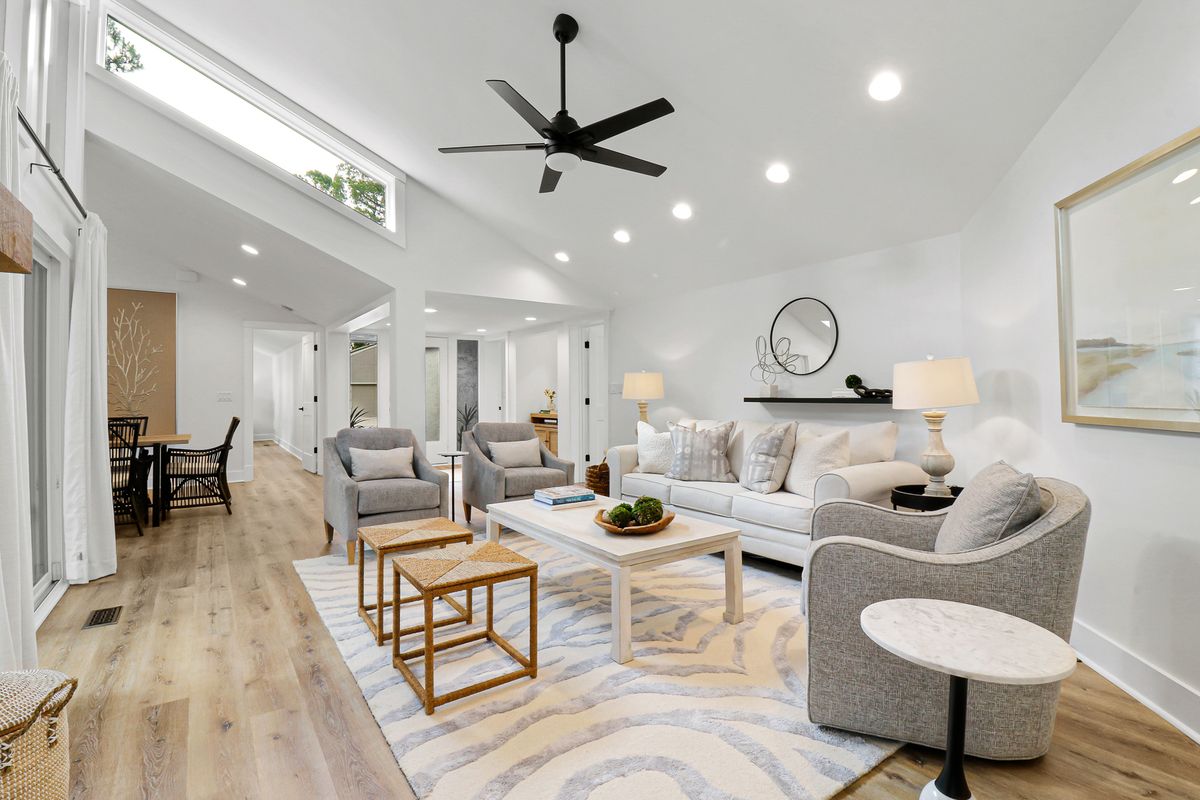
column 611, row 158
column 522, row 106
column 492, row 148
column 549, row 180
column 619, row 123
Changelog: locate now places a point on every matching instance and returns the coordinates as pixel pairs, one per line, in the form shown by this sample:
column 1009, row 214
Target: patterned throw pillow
column 700, row 455
column 813, row 458
column 768, row 458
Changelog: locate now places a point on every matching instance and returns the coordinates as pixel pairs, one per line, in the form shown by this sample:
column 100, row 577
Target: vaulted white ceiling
column 752, row 82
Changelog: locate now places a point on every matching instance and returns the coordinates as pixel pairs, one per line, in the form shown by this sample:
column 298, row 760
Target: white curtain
column 89, row 534
column 18, row 645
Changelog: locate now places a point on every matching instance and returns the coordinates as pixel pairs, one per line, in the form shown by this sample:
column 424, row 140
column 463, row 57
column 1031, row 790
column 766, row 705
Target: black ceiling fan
column 566, row 144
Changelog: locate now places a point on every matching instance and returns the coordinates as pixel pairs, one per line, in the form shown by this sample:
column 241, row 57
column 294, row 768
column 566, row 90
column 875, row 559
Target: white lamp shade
column 643, row 386
column 940, row 383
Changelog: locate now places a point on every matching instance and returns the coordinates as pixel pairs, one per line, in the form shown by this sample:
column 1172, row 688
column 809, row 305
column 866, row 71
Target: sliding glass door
column 36, row 398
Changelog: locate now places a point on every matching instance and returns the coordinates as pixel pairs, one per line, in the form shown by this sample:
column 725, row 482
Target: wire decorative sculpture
column 772, row 361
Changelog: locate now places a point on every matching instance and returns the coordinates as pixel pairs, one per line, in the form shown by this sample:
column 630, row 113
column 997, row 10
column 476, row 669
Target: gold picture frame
column 1128, row 303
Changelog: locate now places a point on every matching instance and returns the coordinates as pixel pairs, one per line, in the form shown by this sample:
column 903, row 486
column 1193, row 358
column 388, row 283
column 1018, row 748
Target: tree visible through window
column 353, row 187
column 120, row 55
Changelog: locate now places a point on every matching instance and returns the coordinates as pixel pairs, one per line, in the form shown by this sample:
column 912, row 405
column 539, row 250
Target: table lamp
column 643, row 386
column 933, row 385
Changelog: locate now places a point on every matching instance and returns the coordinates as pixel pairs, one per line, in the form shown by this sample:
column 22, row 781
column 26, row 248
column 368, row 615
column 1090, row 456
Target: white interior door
column 491, row 381
column 595, row 394
column 439, row 417
column 307, row 434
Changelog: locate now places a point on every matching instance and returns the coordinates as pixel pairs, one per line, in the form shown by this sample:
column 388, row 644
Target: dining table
column 159, row 442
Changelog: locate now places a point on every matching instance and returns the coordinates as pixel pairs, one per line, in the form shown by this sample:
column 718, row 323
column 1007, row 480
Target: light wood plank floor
column 220, row 680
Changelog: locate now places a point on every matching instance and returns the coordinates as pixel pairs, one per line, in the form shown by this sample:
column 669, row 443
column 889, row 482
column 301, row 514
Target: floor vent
column 103, row 616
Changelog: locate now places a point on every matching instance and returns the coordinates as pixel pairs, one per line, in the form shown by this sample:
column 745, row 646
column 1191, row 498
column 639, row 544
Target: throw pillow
column 872, row 443
column 815, row 456
column 654, row 449
column 996, row 503
column 768, row 457
column 524, row 453
column 374, row 465
column 701, row 455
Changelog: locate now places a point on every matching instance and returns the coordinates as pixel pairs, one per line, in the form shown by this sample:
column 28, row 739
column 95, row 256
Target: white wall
column 210, row 345
column 892, row 305
column 264, row 396
column 534, row 361
column 1137, row 614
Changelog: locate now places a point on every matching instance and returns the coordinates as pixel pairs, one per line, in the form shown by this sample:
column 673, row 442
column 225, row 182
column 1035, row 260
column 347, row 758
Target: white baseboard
column 264, row 437
column 1164, row 694
column 237, row 476
column 291, row 448
column 43, row 611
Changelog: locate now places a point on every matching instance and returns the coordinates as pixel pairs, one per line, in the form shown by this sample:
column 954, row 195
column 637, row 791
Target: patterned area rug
column 705, row 711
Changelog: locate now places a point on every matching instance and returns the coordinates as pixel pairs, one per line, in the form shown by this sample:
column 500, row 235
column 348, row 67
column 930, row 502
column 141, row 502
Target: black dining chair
column 197, row 478
column 128, row 470
column 146, row 456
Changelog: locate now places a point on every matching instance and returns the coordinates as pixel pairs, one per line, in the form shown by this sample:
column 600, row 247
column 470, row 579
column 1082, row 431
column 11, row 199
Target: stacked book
column 560, row 497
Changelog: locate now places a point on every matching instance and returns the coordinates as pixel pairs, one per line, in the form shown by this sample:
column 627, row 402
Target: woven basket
column 597, row 478
column 34, row 752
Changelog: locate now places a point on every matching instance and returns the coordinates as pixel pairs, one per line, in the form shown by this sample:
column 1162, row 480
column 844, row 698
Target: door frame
column 248, row 329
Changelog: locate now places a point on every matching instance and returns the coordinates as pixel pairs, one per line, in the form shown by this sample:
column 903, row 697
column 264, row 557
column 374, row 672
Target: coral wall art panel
column 141, row 357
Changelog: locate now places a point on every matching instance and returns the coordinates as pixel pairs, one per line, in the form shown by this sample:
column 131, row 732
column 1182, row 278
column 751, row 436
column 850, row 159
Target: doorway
column 439, row 424
column 283, row 398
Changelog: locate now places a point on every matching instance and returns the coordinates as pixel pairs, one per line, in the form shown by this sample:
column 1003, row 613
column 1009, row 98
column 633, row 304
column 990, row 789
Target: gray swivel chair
column 485, row 482
column 351, row 504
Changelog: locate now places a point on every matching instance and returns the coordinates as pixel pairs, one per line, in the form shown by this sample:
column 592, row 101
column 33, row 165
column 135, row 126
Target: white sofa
column 775, row 525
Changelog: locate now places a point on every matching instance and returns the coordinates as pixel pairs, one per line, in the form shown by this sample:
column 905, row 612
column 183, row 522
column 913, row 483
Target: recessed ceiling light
column 621, row 235
column 531, row 319
column 561, row 256
column 239, row 281
column 388, row 324
column 1183, row 176
column 1194, row 201
column 884, row 86
column 431, row 311
column 1185, row 288
column 778, row 173
column 251, row 249
column 682, row 211
column 481, row 330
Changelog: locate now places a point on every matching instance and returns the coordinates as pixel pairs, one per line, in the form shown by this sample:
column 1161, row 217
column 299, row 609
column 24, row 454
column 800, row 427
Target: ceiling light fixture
column 251, row 249
column 1195, row 200
column 682, row 211
column 239, row 281
column 621, row 235
column 531, row 319
column 778, row 173
column 561, row 256
column 388, row 324
column 431, row 311
column 1183, row 176
column 1185, row 288
column 481, row 330
column 884, row 86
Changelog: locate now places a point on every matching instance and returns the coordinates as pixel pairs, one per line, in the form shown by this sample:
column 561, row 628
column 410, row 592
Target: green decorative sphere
column 647, row 510
column 853, row 382
column 621, row 515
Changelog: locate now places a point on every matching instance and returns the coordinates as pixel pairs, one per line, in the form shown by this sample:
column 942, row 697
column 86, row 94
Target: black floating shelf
column 844, row 401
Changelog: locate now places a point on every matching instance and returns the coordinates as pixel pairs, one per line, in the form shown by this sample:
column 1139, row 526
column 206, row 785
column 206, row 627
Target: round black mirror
column 804, row 336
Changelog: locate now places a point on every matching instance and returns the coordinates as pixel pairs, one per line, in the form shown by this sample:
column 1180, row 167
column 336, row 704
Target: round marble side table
column 967, row 643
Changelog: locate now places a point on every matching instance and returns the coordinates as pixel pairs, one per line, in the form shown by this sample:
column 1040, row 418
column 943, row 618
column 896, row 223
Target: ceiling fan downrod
column 565, row 31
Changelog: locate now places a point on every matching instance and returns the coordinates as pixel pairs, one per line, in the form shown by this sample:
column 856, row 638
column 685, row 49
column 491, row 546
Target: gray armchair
column 486, row 482
column 350, row 504
column 861, row 554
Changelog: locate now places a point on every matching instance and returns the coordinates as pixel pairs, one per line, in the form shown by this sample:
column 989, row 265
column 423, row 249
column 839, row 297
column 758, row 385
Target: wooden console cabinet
column 546, row 426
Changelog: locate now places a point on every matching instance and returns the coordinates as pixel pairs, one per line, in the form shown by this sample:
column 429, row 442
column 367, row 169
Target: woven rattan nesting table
column 452, row 569
column 399, row 537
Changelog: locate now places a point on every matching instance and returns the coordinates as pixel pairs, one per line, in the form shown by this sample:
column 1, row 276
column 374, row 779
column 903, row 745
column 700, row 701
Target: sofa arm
column 341, row 495
column 554, row 462
column 483, row 479
column 866, row 521
column 621, row 460
column 871, row 483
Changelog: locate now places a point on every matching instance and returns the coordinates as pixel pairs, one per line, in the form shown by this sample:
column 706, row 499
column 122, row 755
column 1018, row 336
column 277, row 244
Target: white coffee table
column 965, row 642
column 574, row 531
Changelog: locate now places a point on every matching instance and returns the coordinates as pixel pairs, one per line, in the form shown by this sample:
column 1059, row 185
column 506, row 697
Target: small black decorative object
column 854, row 382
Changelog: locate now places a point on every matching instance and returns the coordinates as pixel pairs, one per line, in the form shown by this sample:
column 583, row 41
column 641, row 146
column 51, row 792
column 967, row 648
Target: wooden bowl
column 635, row 530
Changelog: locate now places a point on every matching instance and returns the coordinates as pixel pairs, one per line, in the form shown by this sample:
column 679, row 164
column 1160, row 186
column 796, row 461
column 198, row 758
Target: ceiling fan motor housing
column 562, row 157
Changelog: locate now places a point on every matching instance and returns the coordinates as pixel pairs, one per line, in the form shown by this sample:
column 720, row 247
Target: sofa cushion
column 637, row 484
column 713, row 497
column 488, row 432
column 521, row 453
column 814, row 457
column 397, row 494
column 997, row 502
column 791, row 512
column 768, row 457
column 522, row 481
column 373, row 465
column 701, row 455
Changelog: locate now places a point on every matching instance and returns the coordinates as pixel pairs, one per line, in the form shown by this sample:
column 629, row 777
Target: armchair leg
column 328, row 533
column 350, row 552
column 467, row 512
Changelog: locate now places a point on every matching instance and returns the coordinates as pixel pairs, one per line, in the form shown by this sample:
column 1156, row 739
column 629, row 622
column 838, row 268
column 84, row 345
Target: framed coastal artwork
column 1129, row 293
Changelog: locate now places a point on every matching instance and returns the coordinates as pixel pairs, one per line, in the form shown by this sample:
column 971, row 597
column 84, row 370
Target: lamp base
column 642, row 415
column 936, row 460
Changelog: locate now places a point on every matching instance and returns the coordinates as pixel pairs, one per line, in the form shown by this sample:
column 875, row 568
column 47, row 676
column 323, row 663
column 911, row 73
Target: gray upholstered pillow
column 374, row 465
column 996, row 503
column 525, row 453
column 700, row 455
column 768, row 457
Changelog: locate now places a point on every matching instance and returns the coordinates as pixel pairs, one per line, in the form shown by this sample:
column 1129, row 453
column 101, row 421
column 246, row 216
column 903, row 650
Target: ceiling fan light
column 562, row 161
